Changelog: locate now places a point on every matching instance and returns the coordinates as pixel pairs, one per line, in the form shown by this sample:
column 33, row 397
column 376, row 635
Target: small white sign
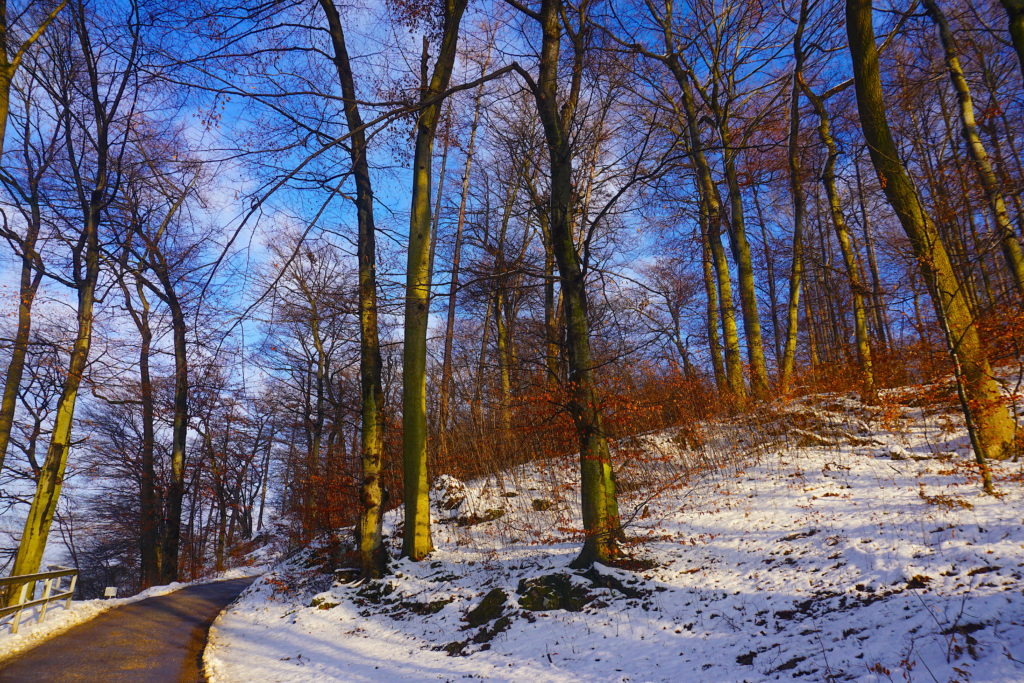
column 110, row 592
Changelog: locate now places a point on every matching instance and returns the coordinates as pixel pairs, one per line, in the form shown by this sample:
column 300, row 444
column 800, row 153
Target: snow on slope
column 846, row 544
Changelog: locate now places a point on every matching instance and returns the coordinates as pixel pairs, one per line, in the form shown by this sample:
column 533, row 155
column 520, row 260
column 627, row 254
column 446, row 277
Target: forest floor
column 821, row 540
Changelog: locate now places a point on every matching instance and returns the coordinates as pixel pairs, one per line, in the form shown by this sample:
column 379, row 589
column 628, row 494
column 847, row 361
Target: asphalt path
column 158, row 639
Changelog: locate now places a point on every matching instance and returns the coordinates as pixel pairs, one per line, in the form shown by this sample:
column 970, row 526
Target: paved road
column 157, row 639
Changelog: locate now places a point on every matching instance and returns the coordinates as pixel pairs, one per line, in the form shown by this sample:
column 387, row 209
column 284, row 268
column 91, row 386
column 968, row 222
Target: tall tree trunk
column 994, row 425
column 85, row 267
column 1015, row 18
column 813, row 343
column 31, row 276
column 51, row 475
column 503, row 343
column 711, row 296
column 552, row 300
column 265, row 479
column 744, row 269
column 481, row 367
column 598, row 501
column 149, row 527
column 712, row 206
column 149, row 537
column 417, row 542
column 796, row 189
column 769, row 263
column 502, row 309
column 9, row 63
column 179, row 433
column 986, row 175
column 453, row 288
column 857, row 288
column 369, row 536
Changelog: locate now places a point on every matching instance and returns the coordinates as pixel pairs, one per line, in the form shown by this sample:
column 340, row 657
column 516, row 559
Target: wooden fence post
column 47, row 585
column 21, row 601
column 71, row 591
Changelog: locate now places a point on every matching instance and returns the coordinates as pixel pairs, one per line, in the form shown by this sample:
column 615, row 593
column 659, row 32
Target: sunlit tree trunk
column 598, row 500
column 51, row 475
column 85, row 266
column 744, row 269
column 9, row 62
column 369, row 536
column 1015, row 17
column 711, row 203
column 850, row 260
column 417, row 542
column 984, row 407
column 712, row 206
column 711, row 296
column 799, row 205
column 986, row 175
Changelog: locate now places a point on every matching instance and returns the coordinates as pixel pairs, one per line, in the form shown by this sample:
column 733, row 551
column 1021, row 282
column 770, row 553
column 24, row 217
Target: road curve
column 158, row 639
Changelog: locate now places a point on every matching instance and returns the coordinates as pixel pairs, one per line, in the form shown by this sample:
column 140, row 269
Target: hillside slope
column 838, row 543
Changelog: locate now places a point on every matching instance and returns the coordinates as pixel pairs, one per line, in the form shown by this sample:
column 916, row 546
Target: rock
column 540, row 504
column 488, row 516
column 489, row 609
column 897, row 452
column 487, row 634
column 449, row 494
column 599, row 580
column 455, row 648
column 425, row 608
column 551, row 592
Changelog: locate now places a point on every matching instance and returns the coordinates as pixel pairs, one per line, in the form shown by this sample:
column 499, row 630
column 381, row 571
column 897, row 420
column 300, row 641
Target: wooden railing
column 25, row 586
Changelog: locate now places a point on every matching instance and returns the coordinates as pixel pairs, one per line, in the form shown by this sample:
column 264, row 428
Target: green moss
column 323, row 603
column 489, row 609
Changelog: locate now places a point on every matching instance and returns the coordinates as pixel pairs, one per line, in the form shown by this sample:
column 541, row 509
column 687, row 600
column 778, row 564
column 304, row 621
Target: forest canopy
column 275, row 267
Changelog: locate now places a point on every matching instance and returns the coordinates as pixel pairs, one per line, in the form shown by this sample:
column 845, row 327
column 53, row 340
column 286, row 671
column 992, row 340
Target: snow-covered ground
column 824, row 541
